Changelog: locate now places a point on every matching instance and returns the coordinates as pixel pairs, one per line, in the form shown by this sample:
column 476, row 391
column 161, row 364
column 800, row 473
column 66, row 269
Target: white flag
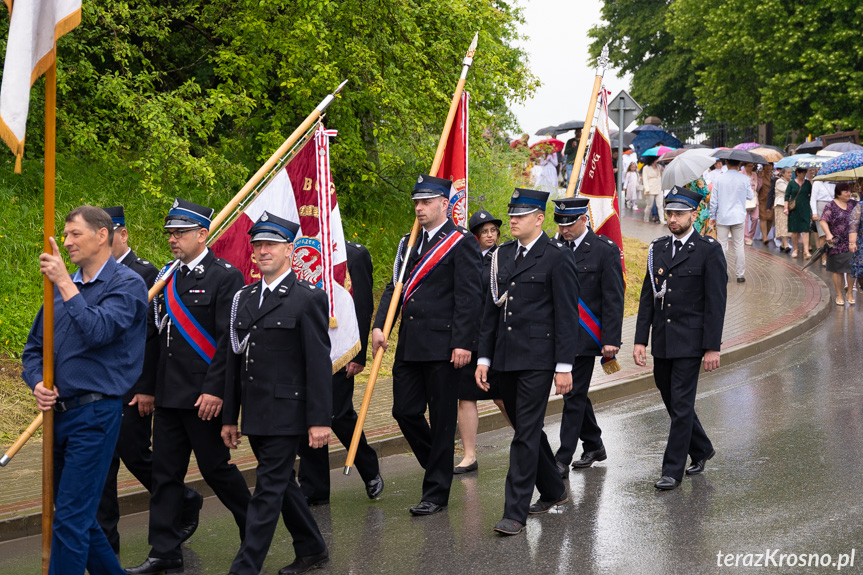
column 34, row 27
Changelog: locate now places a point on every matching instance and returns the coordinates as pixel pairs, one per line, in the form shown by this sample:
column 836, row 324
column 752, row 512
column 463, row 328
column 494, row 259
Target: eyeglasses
column 177, row 234
column 489, row 232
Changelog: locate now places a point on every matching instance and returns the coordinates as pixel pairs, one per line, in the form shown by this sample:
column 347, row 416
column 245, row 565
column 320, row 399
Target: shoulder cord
column 239, row 347
column 166, row 320
column 502, row 300
column 397, row 263
column 657, row 294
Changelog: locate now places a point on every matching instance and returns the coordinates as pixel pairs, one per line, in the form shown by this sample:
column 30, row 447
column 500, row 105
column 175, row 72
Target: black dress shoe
column 427, row 508
column 562, row 468
column 509, row 527
column 313, row 502
column 191, row 515
column 740, row 280
column 666, row 483
column 543, row 506
column 466, row 469
column 305, row 563
column 588, row 457
column 697, row 467
column 375, row 487
column 156, row 566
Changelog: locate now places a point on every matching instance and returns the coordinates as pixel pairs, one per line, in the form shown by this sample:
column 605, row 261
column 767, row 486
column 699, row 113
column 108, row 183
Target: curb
column 138, row 501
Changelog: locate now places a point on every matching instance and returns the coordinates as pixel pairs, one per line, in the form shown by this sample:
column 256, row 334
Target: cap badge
column 561, row 206
column 481, row 216
column 420, row 180
column 673, row 192
column 516, row 194
column 176, row 203
column 265, row 217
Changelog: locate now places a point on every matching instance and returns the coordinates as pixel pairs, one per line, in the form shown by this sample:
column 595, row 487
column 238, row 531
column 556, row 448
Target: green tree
column 198, row 92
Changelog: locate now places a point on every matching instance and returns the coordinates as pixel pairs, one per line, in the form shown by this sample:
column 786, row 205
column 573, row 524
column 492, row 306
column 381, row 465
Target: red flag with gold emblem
column 454, row 164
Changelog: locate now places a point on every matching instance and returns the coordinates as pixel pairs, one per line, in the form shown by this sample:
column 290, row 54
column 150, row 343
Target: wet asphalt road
column 788, row 429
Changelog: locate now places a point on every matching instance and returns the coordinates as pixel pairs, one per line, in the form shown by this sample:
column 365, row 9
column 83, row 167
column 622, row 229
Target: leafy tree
column 198, row 92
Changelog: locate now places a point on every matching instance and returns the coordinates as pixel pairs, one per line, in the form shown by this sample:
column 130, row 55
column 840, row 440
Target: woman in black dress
column 486, row 228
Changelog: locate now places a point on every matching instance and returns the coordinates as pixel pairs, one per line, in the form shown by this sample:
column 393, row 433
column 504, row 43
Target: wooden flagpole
column 220, row 218
column 397, row 292
column 601, row 65
column 48, row 318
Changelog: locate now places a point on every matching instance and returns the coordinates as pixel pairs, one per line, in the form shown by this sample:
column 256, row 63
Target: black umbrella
column 646, row 128
column 571, row 125
column 816, row 255
column 740, row 156
column 547, row 131
column 809, row 147
column 842, row 147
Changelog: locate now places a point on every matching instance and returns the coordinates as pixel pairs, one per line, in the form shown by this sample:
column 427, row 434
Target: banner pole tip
column 4, row 460
column 347, row 469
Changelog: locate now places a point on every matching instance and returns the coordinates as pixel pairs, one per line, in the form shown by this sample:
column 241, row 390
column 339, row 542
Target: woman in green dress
column 799, row 219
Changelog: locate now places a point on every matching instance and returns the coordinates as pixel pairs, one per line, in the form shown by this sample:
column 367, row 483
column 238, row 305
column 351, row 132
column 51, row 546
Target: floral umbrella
column 848, row 166
column 746, row 146
column 811, row 161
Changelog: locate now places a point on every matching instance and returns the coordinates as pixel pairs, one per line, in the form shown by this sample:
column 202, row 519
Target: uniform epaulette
column 307, row 285
column 464, row 231
column 223, row 263
column 707, row 239
column 659, row 238
column 606, row 240
column 556, row 243
column 143, row 261
column 508, row 243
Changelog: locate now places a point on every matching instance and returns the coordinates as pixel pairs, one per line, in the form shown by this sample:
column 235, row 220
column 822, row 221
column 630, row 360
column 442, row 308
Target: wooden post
column 397, row 291
column 48, row 319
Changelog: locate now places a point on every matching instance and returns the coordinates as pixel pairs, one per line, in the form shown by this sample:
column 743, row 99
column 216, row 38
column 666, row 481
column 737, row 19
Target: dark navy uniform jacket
column 691, row 318
column 600, row 284
column 444, row 313
column 537, row 327
column 183, row 375
column 360, row 270
column 284, row 379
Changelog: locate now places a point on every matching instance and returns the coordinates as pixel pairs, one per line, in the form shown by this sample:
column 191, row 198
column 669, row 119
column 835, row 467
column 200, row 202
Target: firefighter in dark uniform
column 279, row 371
column 529, row 337
column 192, row 315
column 314, row 472
column 682, row 311
column 600, row 284
column 133, row 445
column 441, row 306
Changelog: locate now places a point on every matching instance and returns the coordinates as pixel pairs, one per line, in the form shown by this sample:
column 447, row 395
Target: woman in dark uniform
column 487, row 231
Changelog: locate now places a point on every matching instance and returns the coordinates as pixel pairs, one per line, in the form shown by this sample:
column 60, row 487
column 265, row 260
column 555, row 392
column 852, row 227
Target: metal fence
column 714, row 134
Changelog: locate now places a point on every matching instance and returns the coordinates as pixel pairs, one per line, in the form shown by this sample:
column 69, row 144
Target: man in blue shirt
column 99, row 333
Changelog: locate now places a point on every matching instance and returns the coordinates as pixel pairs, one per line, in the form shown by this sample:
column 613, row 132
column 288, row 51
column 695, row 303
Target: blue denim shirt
column 99, row 335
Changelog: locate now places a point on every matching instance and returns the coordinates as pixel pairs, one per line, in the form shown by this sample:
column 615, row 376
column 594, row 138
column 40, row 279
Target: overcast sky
column 558, row 47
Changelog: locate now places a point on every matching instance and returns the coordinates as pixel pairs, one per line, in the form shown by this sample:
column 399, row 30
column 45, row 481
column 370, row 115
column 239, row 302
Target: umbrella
column 647, row 128
column 547, row 131
column 746, row 146
column 848, row 166
column 828, row 153
column 652, row 138
column 740, row 156
column 668, row 156
column 768, row 154
column 842, row 147
column 810, row 147
column 548, row 146
column 810, row 161
column 788, row 161
column 656, row 151
column 571, row 125
column 627, row 138
column 696, row 147
column 686, row 167
column 816, row 255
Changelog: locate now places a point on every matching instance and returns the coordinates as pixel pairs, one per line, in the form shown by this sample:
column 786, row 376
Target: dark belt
column 73, row 402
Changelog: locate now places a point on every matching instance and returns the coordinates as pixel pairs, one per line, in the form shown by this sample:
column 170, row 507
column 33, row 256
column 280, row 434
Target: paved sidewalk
column 777, row 303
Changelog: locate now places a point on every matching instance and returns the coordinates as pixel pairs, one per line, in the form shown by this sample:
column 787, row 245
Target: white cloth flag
column 34, row 27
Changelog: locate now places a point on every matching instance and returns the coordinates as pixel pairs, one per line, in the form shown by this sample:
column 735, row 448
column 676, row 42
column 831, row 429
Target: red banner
column 454, row 164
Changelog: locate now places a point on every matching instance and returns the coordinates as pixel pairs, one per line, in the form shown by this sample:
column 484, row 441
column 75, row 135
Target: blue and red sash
column 429, row 261
column 191, row 330
column 592, row 326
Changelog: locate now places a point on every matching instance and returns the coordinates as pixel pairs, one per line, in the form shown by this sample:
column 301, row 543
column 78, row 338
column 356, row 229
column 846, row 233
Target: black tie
column 678, row 245
column 424, row 244
column 185, row 269
column 520, row 256
column 267, row 293
column 571, row 244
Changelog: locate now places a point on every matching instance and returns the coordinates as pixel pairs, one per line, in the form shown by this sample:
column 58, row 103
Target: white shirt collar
column 580, row 238
column 484, row 252
column 275, row 284
column 121, row 258
column 685, row 238
column 527, row 247
column 194, row 263
column 433, row 233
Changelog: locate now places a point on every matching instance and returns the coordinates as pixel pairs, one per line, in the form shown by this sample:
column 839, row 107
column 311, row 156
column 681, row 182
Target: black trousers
column 276, row 489
column 578, row 419
column 314, row 472
column 432, row 384
column 677, row 381
column 531, row 461
column 133, row 448
column 176, row 433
